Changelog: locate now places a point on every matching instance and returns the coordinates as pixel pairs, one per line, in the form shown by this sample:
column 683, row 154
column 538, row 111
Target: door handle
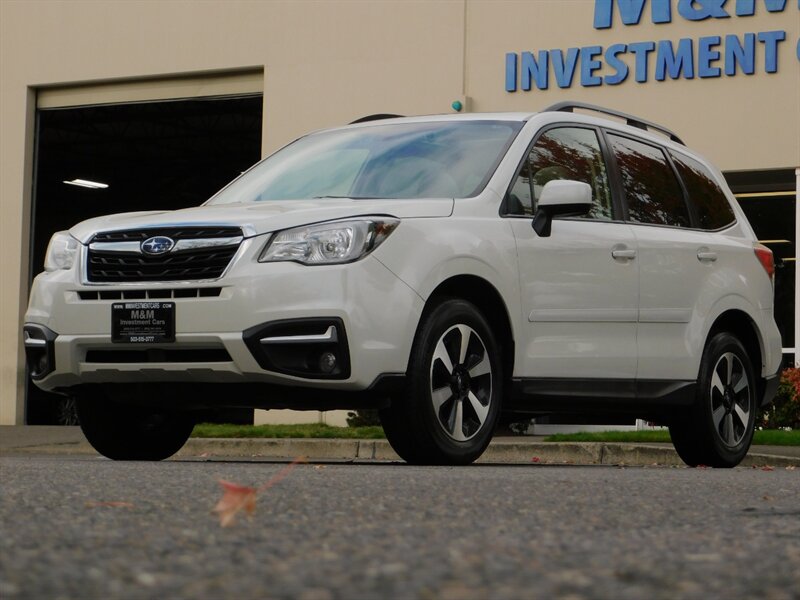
column 629, row 254
column 706, row 256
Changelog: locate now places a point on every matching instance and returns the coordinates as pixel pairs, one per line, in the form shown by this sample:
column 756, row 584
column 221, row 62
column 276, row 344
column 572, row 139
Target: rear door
column 675, row 256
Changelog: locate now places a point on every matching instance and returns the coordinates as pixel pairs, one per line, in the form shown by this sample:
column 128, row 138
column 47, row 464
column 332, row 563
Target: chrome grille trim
column 176, row 232
column 180, row 245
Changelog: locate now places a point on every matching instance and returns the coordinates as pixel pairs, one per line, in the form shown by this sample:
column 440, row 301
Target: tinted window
column 563, row 153
column 400, row 160
column 710, row 203
column 651, row 189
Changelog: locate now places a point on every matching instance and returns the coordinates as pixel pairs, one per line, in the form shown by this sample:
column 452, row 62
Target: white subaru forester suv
column 441, row 269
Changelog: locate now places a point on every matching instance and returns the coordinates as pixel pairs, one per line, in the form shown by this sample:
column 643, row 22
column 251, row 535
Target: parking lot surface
column 85, row 527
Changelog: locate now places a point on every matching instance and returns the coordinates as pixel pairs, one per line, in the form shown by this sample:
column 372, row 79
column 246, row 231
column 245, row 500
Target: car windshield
column 452, row 159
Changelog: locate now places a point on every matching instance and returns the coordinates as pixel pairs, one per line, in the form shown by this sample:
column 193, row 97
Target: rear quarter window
column 710, row 204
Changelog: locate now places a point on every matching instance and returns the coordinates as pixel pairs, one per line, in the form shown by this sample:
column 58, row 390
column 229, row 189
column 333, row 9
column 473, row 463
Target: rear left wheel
column 718, row 430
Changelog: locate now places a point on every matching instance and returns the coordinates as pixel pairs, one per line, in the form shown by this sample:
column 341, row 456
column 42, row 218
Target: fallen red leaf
column 535, row 459
column 236, row 498
column 239, row 498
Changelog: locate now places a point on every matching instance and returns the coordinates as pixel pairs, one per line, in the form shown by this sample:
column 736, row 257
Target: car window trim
column 617, row 179
column 503, row 212
column 714, row 180
column 692, row 217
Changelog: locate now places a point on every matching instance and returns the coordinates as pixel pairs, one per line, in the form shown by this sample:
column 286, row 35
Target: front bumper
column 377, row 311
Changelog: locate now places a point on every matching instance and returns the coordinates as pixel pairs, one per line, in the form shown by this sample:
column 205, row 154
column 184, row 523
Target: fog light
column 327, row 362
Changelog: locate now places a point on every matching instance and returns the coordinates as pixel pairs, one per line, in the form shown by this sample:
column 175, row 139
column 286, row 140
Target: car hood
column 265, row 217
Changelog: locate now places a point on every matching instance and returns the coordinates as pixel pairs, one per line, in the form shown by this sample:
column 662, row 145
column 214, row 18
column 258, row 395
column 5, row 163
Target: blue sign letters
column 687, row 58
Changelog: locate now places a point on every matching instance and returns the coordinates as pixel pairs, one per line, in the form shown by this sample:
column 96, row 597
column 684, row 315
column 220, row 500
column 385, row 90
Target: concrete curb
column 499, row 452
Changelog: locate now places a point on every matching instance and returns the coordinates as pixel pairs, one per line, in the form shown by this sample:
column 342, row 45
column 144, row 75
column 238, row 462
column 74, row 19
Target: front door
column 579, row 286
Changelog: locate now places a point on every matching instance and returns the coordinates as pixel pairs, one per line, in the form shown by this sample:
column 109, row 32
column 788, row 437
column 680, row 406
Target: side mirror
column 561, row 198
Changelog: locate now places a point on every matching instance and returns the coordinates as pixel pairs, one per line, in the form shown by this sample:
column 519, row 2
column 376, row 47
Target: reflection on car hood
column 265, row 217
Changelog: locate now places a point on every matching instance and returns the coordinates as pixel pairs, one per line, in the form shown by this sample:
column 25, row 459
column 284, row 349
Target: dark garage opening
column 769, row 200
column 152, row 155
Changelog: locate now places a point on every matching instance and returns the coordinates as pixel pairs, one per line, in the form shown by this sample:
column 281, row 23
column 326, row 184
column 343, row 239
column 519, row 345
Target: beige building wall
column 325, row 63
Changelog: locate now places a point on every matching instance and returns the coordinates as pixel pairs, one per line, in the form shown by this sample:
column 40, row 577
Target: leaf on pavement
column 239, row 498
column 236, row 498
column 767, row 468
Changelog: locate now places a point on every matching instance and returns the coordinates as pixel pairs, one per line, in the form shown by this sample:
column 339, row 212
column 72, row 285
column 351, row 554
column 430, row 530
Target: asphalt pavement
column 38, row 440
column 87, row 527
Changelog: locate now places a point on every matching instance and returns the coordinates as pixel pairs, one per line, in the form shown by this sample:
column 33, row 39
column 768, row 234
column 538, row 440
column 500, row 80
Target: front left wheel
column 450, row 408
column 130, row 432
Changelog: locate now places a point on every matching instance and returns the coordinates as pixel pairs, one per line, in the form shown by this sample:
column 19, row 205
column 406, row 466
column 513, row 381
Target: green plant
column 366, row 417
column 785, row 409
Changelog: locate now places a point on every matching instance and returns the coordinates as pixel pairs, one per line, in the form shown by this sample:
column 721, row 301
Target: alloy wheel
column 461, row 382
column 730, row 399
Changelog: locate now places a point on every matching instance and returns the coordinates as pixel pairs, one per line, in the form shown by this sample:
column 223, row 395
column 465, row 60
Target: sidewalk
column 16, row 440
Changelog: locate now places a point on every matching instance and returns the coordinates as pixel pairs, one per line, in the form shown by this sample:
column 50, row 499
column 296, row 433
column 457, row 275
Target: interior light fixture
column 764, row 194
column 95, row 185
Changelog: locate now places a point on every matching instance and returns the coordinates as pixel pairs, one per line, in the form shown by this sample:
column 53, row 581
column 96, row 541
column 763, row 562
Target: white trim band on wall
column 147, row 90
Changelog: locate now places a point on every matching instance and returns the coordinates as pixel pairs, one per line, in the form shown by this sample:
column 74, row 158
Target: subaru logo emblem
column 157, row 245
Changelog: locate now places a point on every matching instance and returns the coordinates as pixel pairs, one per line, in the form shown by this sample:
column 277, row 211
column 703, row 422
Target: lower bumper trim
column 183, row 395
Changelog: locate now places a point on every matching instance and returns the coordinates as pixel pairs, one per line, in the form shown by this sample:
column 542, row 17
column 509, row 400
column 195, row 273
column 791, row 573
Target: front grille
column 107, row 266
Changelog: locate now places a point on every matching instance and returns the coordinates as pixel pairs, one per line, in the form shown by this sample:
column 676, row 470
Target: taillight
column 764, row 256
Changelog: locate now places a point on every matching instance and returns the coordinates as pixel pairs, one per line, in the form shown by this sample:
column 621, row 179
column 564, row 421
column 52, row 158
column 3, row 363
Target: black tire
column 718, row 430
column 130, row 432
column 416, row 430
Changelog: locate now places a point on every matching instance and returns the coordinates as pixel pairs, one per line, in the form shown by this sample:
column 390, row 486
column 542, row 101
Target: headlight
column 61, row 252
column 330, row 243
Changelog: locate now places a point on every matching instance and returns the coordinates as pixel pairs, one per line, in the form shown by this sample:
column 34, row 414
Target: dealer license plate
column 142, row 322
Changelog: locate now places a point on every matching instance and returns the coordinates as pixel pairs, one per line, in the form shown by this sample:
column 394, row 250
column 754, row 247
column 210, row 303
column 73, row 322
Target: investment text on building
column 686, row 58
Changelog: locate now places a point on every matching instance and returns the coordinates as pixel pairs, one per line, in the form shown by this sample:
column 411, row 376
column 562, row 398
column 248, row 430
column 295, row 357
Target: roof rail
column 629, row 119
column 377, row 117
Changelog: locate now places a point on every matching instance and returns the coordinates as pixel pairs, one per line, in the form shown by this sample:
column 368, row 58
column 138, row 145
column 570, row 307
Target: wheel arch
column 740, row 324
column 488, row 300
